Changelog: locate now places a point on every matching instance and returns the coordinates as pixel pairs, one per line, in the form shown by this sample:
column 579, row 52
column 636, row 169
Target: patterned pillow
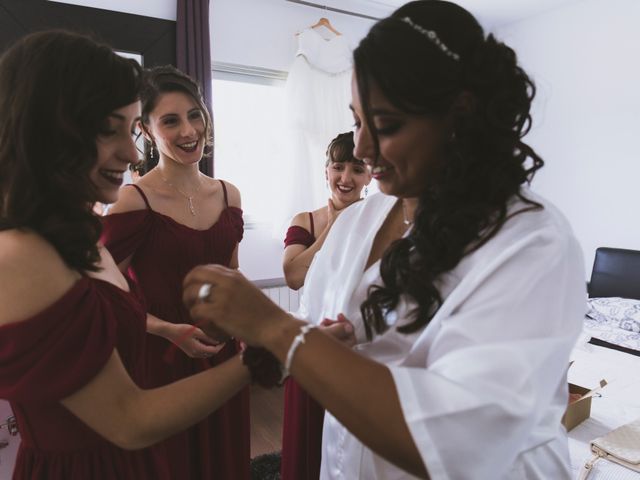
column 623, row 313
column 614, row 320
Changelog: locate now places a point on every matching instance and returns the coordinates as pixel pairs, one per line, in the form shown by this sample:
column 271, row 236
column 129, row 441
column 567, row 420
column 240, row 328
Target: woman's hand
column 332, row 213
column 234, row 304
column 193, row 341
column 340, row 329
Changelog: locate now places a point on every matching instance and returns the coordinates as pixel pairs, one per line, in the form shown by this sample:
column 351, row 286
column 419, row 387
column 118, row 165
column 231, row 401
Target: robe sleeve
column 56, row 352
column 492, row 370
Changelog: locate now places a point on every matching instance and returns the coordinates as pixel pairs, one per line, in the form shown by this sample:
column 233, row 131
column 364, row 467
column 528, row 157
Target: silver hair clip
column 433, row 38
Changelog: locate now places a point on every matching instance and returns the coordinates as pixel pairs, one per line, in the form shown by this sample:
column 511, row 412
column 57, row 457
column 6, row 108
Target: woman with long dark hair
column 466, row 289
column 72, row 329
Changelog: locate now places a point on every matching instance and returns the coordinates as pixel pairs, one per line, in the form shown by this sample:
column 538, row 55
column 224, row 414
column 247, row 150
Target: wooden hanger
column 324, row 22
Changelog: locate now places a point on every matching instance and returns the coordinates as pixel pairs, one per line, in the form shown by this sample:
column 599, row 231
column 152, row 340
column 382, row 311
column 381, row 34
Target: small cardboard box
column 579, row 410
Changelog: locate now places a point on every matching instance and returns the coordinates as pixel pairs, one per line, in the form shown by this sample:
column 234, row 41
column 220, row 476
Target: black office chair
column 616, row 273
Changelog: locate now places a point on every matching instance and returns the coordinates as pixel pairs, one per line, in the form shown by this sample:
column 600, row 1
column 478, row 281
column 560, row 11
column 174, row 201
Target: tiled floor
column 266, row 420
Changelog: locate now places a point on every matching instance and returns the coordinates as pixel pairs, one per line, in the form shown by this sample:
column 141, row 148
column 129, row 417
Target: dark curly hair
column 340, row 150
column 166, row 79
column 56, row 91
column 464, row 202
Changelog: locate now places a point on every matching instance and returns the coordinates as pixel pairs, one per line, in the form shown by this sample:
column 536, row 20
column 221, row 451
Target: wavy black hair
column 167, row 79
column 340, row 150
column 57, row 89
column 411, row 57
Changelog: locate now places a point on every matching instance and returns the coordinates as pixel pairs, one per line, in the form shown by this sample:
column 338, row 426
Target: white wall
column 585, row 59
column 165, row 9
column 261, row 33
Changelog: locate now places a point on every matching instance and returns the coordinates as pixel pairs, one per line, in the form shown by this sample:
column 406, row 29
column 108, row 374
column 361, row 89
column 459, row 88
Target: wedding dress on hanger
column 318, row 93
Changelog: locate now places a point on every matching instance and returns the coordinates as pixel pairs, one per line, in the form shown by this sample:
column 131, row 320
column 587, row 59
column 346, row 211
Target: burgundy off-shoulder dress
column 55, row 353
column 303, row 416
column 162, row 252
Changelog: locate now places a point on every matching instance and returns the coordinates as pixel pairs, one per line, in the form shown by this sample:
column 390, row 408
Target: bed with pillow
column 609, row 349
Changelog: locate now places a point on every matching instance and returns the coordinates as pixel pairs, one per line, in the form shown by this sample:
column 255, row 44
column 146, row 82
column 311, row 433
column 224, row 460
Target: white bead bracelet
column 297, row 341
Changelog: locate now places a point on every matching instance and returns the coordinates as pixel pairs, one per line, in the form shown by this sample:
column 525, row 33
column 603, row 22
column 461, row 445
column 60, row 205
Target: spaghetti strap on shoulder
column 224, row 189
column 144, row 197
column 313, row 233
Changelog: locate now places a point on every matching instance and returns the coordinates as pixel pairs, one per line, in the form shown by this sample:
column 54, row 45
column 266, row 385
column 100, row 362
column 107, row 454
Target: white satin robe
column 483, row 387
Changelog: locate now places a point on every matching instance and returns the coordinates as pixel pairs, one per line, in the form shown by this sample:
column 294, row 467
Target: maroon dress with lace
column 303, row 416
column 162, row 252
column 55, row 353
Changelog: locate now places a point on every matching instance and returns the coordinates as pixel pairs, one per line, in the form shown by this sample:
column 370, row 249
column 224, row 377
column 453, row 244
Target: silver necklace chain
column 189, row 198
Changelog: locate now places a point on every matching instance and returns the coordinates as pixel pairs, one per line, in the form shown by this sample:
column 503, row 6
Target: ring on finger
column 204, row 291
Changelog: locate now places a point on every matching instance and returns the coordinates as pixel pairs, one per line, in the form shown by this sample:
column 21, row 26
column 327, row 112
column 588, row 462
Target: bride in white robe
column 472, row 286
column 490, row 366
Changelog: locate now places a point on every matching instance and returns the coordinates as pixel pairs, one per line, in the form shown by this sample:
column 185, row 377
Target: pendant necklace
column 189, row 198
column 406, row 220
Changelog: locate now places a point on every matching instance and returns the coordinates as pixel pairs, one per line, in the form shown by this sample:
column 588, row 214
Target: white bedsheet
column 619, row 403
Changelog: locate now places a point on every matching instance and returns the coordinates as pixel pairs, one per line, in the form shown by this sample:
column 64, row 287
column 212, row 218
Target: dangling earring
column 152, row 151
column 366, row 191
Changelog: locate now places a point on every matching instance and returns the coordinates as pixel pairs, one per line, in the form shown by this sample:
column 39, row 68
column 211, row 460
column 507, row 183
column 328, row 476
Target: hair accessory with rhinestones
column 433, row 38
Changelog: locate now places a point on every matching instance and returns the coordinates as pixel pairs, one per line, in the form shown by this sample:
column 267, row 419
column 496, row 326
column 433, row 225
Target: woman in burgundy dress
column 171, row 220
column 303, row 416
column 72, row 332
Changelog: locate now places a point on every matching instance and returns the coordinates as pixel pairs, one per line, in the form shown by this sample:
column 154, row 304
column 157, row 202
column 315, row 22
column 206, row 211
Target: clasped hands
column 234, row 306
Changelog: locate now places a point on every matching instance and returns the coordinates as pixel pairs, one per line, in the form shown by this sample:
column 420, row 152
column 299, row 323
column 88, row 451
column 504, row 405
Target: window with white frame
column 250, row 138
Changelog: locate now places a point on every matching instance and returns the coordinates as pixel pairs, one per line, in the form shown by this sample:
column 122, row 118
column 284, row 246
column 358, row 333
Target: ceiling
column 490, row 13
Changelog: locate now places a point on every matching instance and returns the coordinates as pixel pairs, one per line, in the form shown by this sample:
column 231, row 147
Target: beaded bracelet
column 264, row 367
column 297, row 341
